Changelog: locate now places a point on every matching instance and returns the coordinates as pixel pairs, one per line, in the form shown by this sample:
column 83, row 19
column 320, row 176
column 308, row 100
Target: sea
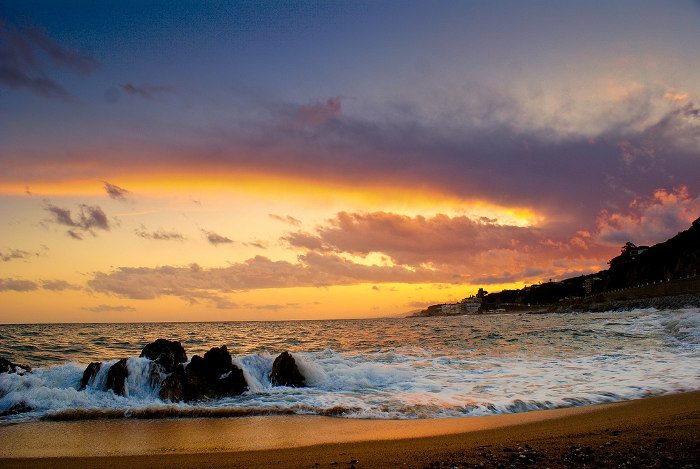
column 404, row 368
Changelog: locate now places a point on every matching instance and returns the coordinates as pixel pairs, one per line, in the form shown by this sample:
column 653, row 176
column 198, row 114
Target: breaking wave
column 440, row 367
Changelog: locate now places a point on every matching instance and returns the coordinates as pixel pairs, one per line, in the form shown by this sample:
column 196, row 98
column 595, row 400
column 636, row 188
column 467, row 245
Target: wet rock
column 232, row 383
column 166, row 353
column 6, row 366
column 209, row 377
column 19, row 408
column 173, row 386
column 213, row 376
column 89, row 374
column 285, row 372
column 116, row 377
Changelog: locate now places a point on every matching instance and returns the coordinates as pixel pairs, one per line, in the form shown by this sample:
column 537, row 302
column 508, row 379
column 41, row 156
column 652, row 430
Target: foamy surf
column 452, row 367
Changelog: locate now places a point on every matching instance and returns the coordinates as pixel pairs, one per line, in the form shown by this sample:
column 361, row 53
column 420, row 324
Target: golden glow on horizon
column 397, row 199
column 336, row 302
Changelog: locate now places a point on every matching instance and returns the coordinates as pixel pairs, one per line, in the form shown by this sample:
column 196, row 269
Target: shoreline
column 302, row 441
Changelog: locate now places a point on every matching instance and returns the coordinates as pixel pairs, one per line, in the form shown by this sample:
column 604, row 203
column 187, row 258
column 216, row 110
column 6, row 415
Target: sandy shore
column 655, row 432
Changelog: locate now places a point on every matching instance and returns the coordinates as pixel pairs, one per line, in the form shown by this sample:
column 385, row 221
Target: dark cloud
column 159, row 235
column 115, row 192
column 22, row 62
column 557, row 174
column 145, row 91
column 58, row 285
column 215, row 238
column 481, row 151
column 61, row 56
column 18, row 285
column 285, row 219
column 88, row 219
column 109, row 308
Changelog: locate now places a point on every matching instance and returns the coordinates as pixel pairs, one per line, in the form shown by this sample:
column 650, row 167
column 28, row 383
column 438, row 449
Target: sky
column 216, row 161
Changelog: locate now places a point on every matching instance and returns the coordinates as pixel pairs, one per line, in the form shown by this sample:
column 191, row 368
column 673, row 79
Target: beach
column 652, row 432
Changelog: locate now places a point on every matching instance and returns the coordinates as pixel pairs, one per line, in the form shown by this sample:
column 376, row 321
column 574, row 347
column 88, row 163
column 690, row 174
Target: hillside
column 638, row 270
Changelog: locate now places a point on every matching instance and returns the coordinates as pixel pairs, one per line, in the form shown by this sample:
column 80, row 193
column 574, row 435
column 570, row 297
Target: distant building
column 469, row 305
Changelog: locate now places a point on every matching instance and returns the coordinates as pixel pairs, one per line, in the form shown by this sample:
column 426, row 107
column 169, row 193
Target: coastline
column 655, row 427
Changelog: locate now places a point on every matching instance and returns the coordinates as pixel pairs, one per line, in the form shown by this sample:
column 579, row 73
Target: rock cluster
column 212, row 376
column 208, row 377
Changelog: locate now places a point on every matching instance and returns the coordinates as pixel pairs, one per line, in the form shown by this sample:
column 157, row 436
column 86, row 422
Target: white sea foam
column 593, row 358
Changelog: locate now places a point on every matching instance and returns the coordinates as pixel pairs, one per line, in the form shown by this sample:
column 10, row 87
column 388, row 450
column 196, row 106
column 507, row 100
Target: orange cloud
column 649, row 220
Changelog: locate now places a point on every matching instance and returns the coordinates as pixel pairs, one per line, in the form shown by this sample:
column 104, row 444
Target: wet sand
column 654, row 432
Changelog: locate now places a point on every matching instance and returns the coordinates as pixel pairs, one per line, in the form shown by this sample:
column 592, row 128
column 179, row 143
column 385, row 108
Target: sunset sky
column 192, row 161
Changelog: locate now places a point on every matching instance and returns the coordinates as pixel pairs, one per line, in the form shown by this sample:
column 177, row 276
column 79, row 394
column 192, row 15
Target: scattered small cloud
column 18, row 285
column 285, row 219
column 115, row 192
column 159, row 235
column 215, row 238
column 14, row 254
column 75, row 235
column 88, row 219
column 20, row 254
column 260, row 244
column 109, row 308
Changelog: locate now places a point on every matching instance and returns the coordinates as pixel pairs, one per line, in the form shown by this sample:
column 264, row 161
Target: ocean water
column 386, row 368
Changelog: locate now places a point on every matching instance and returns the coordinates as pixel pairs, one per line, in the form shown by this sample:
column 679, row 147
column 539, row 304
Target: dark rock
column 89, row 374
column 19, row 408
column 116, row 377
column 6, row 366
column 166, row 353
column 218, row 360
column 285, row 372
column 174, row 385
column 232, row 383
column 209, row 377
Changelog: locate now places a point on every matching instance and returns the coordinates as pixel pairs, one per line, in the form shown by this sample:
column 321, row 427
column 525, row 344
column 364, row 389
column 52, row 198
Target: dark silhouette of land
column 663, row 276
